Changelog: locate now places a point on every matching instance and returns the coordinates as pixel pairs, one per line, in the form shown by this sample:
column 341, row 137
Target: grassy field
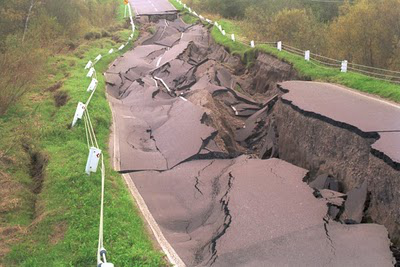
column 50, row 216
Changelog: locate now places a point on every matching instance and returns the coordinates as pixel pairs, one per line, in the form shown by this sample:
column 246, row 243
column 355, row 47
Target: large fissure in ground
column 180, row 76
column 317, row 143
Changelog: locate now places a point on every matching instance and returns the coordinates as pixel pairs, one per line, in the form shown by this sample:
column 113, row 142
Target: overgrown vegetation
column 49, row 210
column 363, row 31
column 33, row 30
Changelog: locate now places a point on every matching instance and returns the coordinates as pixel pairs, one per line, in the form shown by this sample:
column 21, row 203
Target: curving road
column 147, row 7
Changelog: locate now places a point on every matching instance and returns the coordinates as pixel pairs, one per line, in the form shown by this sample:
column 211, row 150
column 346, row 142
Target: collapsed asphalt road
column 202, row 153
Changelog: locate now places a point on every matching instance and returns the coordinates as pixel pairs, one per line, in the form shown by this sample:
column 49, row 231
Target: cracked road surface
column 368, row 114
column 171, row 99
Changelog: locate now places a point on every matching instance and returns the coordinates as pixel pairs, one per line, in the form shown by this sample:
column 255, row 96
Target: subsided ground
column 200, row 136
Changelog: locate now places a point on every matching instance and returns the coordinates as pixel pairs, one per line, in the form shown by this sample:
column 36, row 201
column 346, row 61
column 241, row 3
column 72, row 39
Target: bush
column 105, row 33
column 20, row 65
column 92, row 35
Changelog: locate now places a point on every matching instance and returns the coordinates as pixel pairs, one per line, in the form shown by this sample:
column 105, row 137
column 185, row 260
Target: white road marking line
column 129, row 117
column 367, row 96
column 234, row 109
column 153, row 5
column 184, row 99
column 158, row 62
column 155, row 81
column 162, row 81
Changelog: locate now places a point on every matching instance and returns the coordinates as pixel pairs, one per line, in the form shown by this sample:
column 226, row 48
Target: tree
column 298, row 28
column 365, row 34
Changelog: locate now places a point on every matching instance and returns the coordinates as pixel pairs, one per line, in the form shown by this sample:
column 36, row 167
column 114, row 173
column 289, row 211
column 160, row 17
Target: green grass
column 230, row 27
column 185, row 15
column 70, row 199
column 306, row 70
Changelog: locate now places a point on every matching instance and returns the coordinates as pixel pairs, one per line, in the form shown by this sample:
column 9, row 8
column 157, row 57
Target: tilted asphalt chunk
column 355, row 204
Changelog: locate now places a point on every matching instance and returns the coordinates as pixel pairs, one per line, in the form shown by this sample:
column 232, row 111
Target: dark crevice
column 342, row 125
column 326, row 223
column 227, row 221
column 197, row 185
column 37, row 166
column 396, row 255
column 155, row 144
column 351, row 128
column 199, row 175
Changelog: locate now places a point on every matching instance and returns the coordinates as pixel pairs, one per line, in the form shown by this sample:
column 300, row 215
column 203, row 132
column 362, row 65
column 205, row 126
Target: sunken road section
column 201, row 138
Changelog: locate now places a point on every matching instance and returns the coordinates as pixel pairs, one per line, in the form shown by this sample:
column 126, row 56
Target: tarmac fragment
column 355, row 204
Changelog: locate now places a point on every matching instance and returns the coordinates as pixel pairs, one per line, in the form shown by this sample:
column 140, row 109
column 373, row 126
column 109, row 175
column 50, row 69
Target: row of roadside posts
column 307, row 54
column 95, row 156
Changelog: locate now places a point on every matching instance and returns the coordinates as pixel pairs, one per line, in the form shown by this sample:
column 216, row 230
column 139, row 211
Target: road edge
column 166, row 247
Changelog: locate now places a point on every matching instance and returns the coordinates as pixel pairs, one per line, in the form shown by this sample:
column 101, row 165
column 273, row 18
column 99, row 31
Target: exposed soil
column 60, row 98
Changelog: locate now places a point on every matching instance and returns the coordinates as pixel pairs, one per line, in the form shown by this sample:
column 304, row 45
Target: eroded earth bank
column 240, row 168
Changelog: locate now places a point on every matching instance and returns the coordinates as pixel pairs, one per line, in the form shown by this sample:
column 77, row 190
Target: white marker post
column 279, row 45
column 111, row 51
column 307, row 55
column 98, row 58
column 92, row 85
column 223, row 32
column 78, row 113
column 344, row 66
column 129, row 10
column 252, row 45
column 88, row 65
column 93, row 160
column 233, row 37
column 220, row 28
column 90, row 72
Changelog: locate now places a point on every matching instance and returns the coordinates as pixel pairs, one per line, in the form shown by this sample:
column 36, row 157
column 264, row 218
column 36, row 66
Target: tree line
column 365, row 32
column 33, row 30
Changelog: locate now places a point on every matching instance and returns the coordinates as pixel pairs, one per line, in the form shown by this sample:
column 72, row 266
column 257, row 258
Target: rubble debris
column 333, row 197
column 325, row 181
column 270, row 147
column 355, row 204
